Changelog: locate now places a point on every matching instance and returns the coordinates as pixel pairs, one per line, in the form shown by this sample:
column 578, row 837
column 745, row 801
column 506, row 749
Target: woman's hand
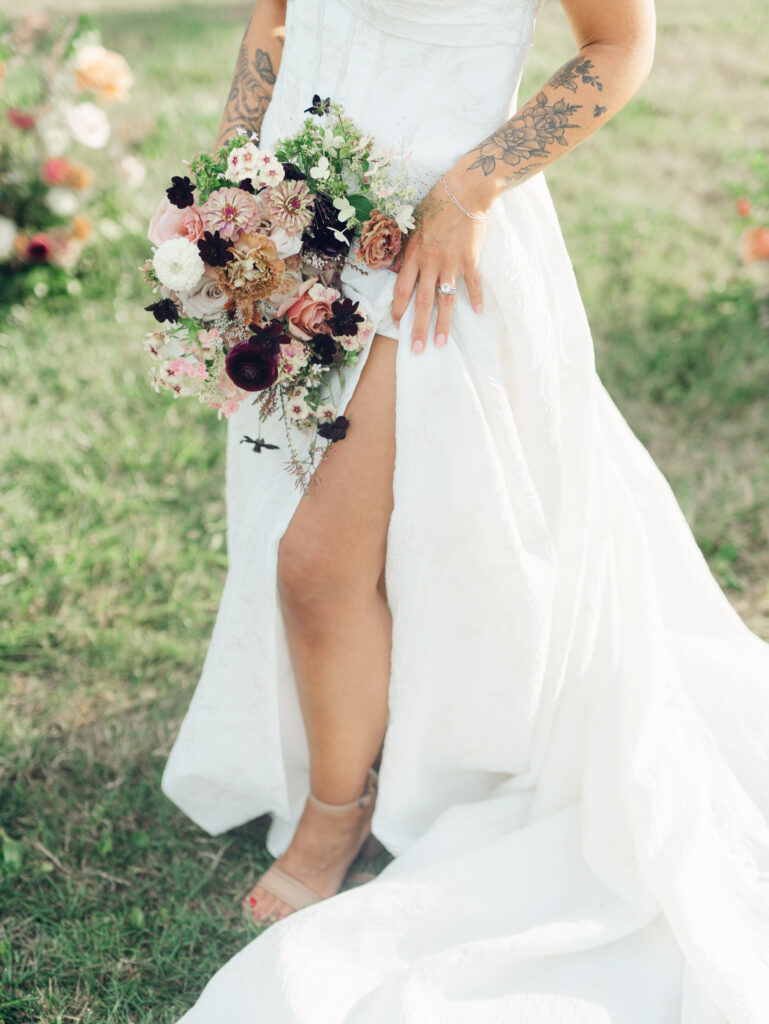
column 446, row 243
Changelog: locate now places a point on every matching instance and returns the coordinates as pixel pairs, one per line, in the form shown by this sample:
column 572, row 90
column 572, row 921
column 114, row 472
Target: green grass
column 112, row 534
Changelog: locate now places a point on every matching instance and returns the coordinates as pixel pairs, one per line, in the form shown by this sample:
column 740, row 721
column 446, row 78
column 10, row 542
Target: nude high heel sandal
column 289, row 889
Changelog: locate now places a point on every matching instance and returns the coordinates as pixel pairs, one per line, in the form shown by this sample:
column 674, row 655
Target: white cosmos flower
column 403, row 218
column 345, row 208
column 8, row 232
column 178, row 264
column 321, row 170
column 62, row 201
column 89, row 124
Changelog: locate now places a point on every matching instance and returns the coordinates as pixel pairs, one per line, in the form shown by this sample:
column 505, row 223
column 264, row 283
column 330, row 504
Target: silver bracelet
column 480, row 217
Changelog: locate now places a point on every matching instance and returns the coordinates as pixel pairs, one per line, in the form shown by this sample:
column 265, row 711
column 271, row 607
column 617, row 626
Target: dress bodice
column 429, row 77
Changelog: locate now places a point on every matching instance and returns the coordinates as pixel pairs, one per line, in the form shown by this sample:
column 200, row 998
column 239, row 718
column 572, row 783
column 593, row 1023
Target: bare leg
column 331, row 583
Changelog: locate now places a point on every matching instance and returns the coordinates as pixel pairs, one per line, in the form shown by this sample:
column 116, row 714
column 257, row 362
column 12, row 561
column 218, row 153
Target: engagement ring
column 446, row 289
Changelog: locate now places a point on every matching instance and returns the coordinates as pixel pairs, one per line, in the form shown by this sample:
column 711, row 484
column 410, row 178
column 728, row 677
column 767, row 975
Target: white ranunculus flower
column 89, row 124
column 8, row 232
column 287, row 245
column 178, row 264
column 205, row 301
column 62, row 201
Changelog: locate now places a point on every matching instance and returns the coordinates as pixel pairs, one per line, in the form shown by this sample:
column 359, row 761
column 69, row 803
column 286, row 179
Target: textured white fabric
column 574, row 779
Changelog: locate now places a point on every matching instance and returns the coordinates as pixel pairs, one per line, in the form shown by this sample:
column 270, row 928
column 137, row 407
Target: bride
column 487, row 640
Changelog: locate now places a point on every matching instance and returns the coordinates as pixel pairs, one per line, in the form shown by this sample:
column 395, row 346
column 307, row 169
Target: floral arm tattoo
column 251, row 89
column 575, row 101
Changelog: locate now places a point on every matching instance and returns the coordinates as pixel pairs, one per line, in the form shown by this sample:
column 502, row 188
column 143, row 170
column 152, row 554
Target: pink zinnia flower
column 231, row 212
column 39, row 248
column 290, row 205
column 57, row 170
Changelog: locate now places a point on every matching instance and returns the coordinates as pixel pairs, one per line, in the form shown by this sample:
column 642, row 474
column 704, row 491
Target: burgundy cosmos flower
column 181, row 192
column 251, row 367
column 334, row 431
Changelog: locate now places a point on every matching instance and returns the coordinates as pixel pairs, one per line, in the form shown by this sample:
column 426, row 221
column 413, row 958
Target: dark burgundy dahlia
column 251, row 367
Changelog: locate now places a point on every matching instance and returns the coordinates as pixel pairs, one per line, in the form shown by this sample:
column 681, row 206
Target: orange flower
column 81, row 227
column 79, row 177
column 754, row 245
column 103, row 72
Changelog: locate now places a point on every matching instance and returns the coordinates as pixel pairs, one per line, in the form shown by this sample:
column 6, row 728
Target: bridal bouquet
column 249, row 250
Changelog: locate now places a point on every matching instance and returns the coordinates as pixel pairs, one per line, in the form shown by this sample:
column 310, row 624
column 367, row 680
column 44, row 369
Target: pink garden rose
column 309, row 309
column 171, row 222
column 380, row 240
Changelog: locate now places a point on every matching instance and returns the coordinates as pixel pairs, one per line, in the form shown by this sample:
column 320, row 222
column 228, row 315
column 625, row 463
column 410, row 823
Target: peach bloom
column 380, row 240
column 81, row 227
column 79, row 177
column 754, row 245
column 102, row 72
column 309, row 309
column 171, row 222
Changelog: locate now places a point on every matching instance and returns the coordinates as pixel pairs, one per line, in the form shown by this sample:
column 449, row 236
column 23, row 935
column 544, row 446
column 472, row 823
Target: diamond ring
column 446, row 289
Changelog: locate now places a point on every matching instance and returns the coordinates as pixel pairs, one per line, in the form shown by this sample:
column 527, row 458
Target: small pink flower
column 230, row 211
column 20, row 119
column 171, row 222
column 57, row 170
column 209, row 338
column 743, row 207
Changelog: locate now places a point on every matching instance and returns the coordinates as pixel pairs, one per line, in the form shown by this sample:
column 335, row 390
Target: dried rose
column 380, row 240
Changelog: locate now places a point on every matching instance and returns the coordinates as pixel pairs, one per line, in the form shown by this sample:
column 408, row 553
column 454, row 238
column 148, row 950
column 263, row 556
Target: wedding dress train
column 575, row 776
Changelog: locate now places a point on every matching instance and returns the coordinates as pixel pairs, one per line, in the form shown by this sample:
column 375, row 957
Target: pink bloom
column 290, row 205
column 309, row 309
column 743, row 207
column 20, row 119
column 171, row 222
column 57, row 170
column 39, row 248
column 186, row 368
column 208, row 339
column 231, row 212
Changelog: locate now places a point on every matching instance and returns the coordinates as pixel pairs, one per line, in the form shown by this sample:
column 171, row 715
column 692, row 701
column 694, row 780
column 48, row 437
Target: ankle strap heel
column 363, row 801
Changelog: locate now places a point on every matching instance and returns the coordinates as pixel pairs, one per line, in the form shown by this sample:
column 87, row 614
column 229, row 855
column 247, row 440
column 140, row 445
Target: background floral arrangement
column 753, row 245
column 56, row 83
column 247, row 267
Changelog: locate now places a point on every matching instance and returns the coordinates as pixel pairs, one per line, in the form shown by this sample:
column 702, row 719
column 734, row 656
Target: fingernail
column 417, row 346
column 440, row 339
column 479, row 308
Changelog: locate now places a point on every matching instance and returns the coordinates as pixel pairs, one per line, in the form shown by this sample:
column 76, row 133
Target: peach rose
column 380, row 240
column 81, row 227
column 102, row 72
column 79, row 177
column 171, row 222
column 754, row 245
column 309, row 309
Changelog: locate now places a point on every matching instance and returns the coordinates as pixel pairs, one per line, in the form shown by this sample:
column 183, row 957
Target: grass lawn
column 115, row 908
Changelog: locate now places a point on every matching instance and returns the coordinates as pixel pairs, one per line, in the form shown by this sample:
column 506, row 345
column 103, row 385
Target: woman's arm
column 255, row 70
column 615, row 40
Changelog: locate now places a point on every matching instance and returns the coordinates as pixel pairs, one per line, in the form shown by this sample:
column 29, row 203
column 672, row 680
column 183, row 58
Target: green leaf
column 136, row 917
column 12, row 854
column 362, row 206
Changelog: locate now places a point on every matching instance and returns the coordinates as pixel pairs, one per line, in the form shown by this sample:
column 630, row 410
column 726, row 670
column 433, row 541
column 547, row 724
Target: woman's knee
column 312, row 576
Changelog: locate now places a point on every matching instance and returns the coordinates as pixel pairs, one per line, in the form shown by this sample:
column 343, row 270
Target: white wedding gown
column 575, row 777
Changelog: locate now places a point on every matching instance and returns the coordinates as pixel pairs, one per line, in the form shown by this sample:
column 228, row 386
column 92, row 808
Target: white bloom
column 287, row 245
column 178, row 264
column 89, row 124
column 297, row 409
column 134, row 172
column 243, row 162
column 321, row 170
column 110, row 229
column 340, row 236
column 326, row 413
column 345, row 208
column 270, row 170
column 8, row 232
column 54, row 136
column 403, row 218
column 62, row 201
column 331, row 142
